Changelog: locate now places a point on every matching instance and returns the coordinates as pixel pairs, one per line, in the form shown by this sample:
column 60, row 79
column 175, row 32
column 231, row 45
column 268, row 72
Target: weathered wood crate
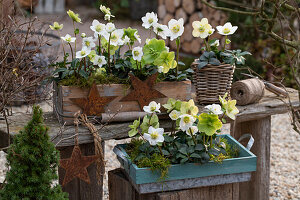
column 121, row 188
column 62, row 94
column 239, row 168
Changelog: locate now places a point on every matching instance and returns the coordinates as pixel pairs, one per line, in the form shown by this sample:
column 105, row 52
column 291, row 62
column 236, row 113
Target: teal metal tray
column 245, row 163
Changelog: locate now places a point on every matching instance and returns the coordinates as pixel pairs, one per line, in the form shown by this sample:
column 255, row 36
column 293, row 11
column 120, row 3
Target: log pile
column 189, row 10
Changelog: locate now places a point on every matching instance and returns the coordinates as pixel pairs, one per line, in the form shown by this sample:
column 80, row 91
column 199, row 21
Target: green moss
column 231, row 152
column 156, row 161
column 98, row 79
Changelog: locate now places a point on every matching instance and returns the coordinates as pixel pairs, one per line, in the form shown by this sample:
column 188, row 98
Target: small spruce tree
column 32, row 161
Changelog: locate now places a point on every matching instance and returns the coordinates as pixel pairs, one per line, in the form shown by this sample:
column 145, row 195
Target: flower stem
column 206, row 45
column 193, row 137
column 99, row 39
column 204, row 139
column 71, row 49
column 211, row 141
column 177, row 55
column 160, row 150
column 84, row 64
column 108, row 49
column 225, row 43
column 74, row 34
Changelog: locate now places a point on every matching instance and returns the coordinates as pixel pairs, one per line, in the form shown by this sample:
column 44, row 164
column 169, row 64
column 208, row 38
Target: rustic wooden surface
column 267, row 106
column 258, row 187
column 77, row 188
column 176, row 90
column 120, row 188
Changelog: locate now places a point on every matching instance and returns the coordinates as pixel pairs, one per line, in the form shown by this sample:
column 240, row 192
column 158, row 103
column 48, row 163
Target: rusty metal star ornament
column 143, row 92
column 94, row 104
column 76, row 166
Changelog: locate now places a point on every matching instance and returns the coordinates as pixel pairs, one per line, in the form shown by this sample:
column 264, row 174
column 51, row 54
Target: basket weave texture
column 212, row 81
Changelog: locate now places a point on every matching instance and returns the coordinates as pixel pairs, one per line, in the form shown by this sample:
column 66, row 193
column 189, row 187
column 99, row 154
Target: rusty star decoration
column 76, row 166
column 94, row 104
column 143, row 92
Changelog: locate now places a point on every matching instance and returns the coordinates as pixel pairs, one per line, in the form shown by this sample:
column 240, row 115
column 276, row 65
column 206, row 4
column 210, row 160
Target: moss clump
column 155, row 161
column 98, row 79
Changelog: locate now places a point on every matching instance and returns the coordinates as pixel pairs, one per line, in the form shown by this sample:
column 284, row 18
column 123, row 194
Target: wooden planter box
column 211, row 173
column 62, row 94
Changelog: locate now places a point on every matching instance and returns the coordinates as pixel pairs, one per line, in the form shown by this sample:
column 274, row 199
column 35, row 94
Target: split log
column 161, row 11
column 196, row 46
column 187, row 34
column 197, row 16
column 181, row 14
column 170, row 6
column 188, row 6
column 199, row 4
column 161, row 2
column 167, row 18
column 187, row 47
column 177, row 3
column 173, row 44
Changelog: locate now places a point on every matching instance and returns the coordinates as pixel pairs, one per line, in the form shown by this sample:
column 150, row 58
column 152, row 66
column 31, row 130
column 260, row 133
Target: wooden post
column 77, row 188
column 258, row 187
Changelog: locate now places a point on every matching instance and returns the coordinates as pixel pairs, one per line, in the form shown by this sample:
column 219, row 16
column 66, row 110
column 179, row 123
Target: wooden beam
column 258, row 187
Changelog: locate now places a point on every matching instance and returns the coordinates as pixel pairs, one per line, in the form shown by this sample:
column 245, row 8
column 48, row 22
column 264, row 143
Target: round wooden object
column 161, row 11
column 197, row 16
column 167, row 18
column 187, row 34
column 170, row 6
column 181, row 14
column 196, row 46
column 247, row 91
column 188, row 6
column 177, row 3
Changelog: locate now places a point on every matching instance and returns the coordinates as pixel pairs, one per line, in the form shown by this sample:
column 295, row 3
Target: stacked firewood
column 189, row 10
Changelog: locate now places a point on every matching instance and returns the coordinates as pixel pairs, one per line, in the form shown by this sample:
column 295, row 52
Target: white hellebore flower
column 105, row 10
column 160, row 69
column 83, row 52
column 137, row 37
column 89, row 42
column 152, row 108
column 149, row 20
column 116, row 37
column 83, row 35
column 126, row 40
column 176, row 28
column 215, row 43
column 99, row 28
column 161, row 30
column 214, row 109
column 107, row 17
column 99, row 60
column 202, row 28
column 174, row 115
column 154, row 135
column 211, row 31
column 147, row 41
column 192, row 130
column 186, row 122
column 137, row 53
column 227, row 29
column 68, row 38
column 110, row 27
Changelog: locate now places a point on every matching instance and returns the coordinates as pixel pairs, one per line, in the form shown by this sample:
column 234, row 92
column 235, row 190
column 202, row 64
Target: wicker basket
column 211, row 82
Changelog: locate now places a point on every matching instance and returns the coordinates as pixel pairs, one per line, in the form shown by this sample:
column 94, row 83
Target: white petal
column 160, row 138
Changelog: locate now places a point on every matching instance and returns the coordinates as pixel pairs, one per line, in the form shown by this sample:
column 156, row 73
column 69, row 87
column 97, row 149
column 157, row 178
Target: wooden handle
column 275, row 89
